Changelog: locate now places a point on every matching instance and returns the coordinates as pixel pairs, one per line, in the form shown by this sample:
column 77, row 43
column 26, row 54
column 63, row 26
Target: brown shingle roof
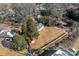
column 47, row 35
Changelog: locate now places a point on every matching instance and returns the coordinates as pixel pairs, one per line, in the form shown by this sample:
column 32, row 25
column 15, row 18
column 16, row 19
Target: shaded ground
column 47, row 53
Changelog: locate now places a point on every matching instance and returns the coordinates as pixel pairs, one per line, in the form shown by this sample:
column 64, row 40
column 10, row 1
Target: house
column 48, row 36
column 39, row 26
column 64, row 52
column 7, row 34
column 60, row 52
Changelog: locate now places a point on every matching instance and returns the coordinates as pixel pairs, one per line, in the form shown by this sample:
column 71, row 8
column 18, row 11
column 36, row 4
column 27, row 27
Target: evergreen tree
column 31, row 29
column 24, row 28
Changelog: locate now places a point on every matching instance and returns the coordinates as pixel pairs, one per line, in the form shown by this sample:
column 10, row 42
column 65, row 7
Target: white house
column 63, row 52
column 6, row 33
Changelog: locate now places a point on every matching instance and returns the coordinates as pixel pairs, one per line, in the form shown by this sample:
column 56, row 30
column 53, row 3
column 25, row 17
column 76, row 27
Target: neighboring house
column 39, row 26
column 61, row 52
column 7, row 34
column 7, row 37
column 64, row 52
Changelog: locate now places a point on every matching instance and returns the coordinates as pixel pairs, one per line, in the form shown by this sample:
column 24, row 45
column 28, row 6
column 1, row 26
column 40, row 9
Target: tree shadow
column 47, row 53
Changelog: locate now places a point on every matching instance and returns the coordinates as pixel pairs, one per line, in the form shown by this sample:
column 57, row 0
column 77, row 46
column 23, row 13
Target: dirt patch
column 47, row 35
column 9, row 52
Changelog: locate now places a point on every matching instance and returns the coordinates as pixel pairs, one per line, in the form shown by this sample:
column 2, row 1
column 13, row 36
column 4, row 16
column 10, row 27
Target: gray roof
column 6, row 33
column 63, row 52
column 39, row 25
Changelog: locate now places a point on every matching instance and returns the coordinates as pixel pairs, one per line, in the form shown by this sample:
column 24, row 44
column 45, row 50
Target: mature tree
column 31, row 29
column 19, row 42
column 24, row 28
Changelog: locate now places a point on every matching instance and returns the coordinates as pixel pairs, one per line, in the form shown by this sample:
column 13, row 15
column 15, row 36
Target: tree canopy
column 24, row 28
column 31, row 29
column 47, row 21
column 19, row 42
